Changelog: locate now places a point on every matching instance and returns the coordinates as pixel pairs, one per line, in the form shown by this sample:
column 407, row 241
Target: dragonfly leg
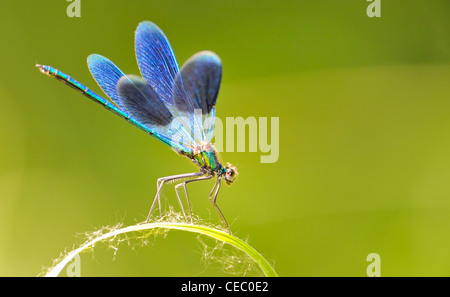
column 185, row 191
column 215, row 190
column 161, row 181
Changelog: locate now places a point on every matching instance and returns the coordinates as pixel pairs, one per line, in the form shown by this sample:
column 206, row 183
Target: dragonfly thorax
column 206, row 156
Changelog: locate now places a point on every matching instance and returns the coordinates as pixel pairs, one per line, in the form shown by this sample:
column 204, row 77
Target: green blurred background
column 364, row 109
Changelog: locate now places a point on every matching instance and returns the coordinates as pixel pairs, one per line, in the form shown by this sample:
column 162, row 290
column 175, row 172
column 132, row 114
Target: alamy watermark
column 258, row 136
column 374, row 9
column 74, row 8
column 235, row 134
column 74, row 268
column 374, row 268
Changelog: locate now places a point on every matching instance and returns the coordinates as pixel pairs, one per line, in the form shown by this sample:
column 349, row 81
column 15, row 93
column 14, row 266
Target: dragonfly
column 174, row 105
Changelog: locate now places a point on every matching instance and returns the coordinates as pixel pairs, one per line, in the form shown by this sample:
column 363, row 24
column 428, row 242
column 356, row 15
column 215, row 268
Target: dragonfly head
column 230, row 173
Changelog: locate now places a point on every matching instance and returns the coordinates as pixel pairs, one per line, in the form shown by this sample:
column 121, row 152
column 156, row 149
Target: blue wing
column 107, row 75
column 199, row 80
column 170, row 102
column 200, row 75
column 159, row 68
column 135, row 97
column 142, row 102
column 156, row 60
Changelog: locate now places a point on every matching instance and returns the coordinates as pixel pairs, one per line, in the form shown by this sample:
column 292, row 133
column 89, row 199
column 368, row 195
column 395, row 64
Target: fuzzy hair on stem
column 148, row 229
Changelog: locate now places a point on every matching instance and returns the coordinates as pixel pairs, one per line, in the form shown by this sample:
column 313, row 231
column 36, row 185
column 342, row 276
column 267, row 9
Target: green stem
column 211, row 232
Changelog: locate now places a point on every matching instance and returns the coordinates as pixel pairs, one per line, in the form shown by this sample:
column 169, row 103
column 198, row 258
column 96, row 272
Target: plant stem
column 208, row 231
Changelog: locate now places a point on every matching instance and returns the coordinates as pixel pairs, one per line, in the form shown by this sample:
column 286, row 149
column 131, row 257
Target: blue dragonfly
column 176, row 106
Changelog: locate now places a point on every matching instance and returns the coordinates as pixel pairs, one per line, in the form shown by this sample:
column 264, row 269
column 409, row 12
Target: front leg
column 215, row 190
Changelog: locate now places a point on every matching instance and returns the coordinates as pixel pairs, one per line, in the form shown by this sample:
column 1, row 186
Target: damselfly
column 176, row 106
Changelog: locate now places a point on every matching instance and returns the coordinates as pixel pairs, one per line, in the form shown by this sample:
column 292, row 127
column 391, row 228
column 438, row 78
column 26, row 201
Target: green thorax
column 206, row 157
